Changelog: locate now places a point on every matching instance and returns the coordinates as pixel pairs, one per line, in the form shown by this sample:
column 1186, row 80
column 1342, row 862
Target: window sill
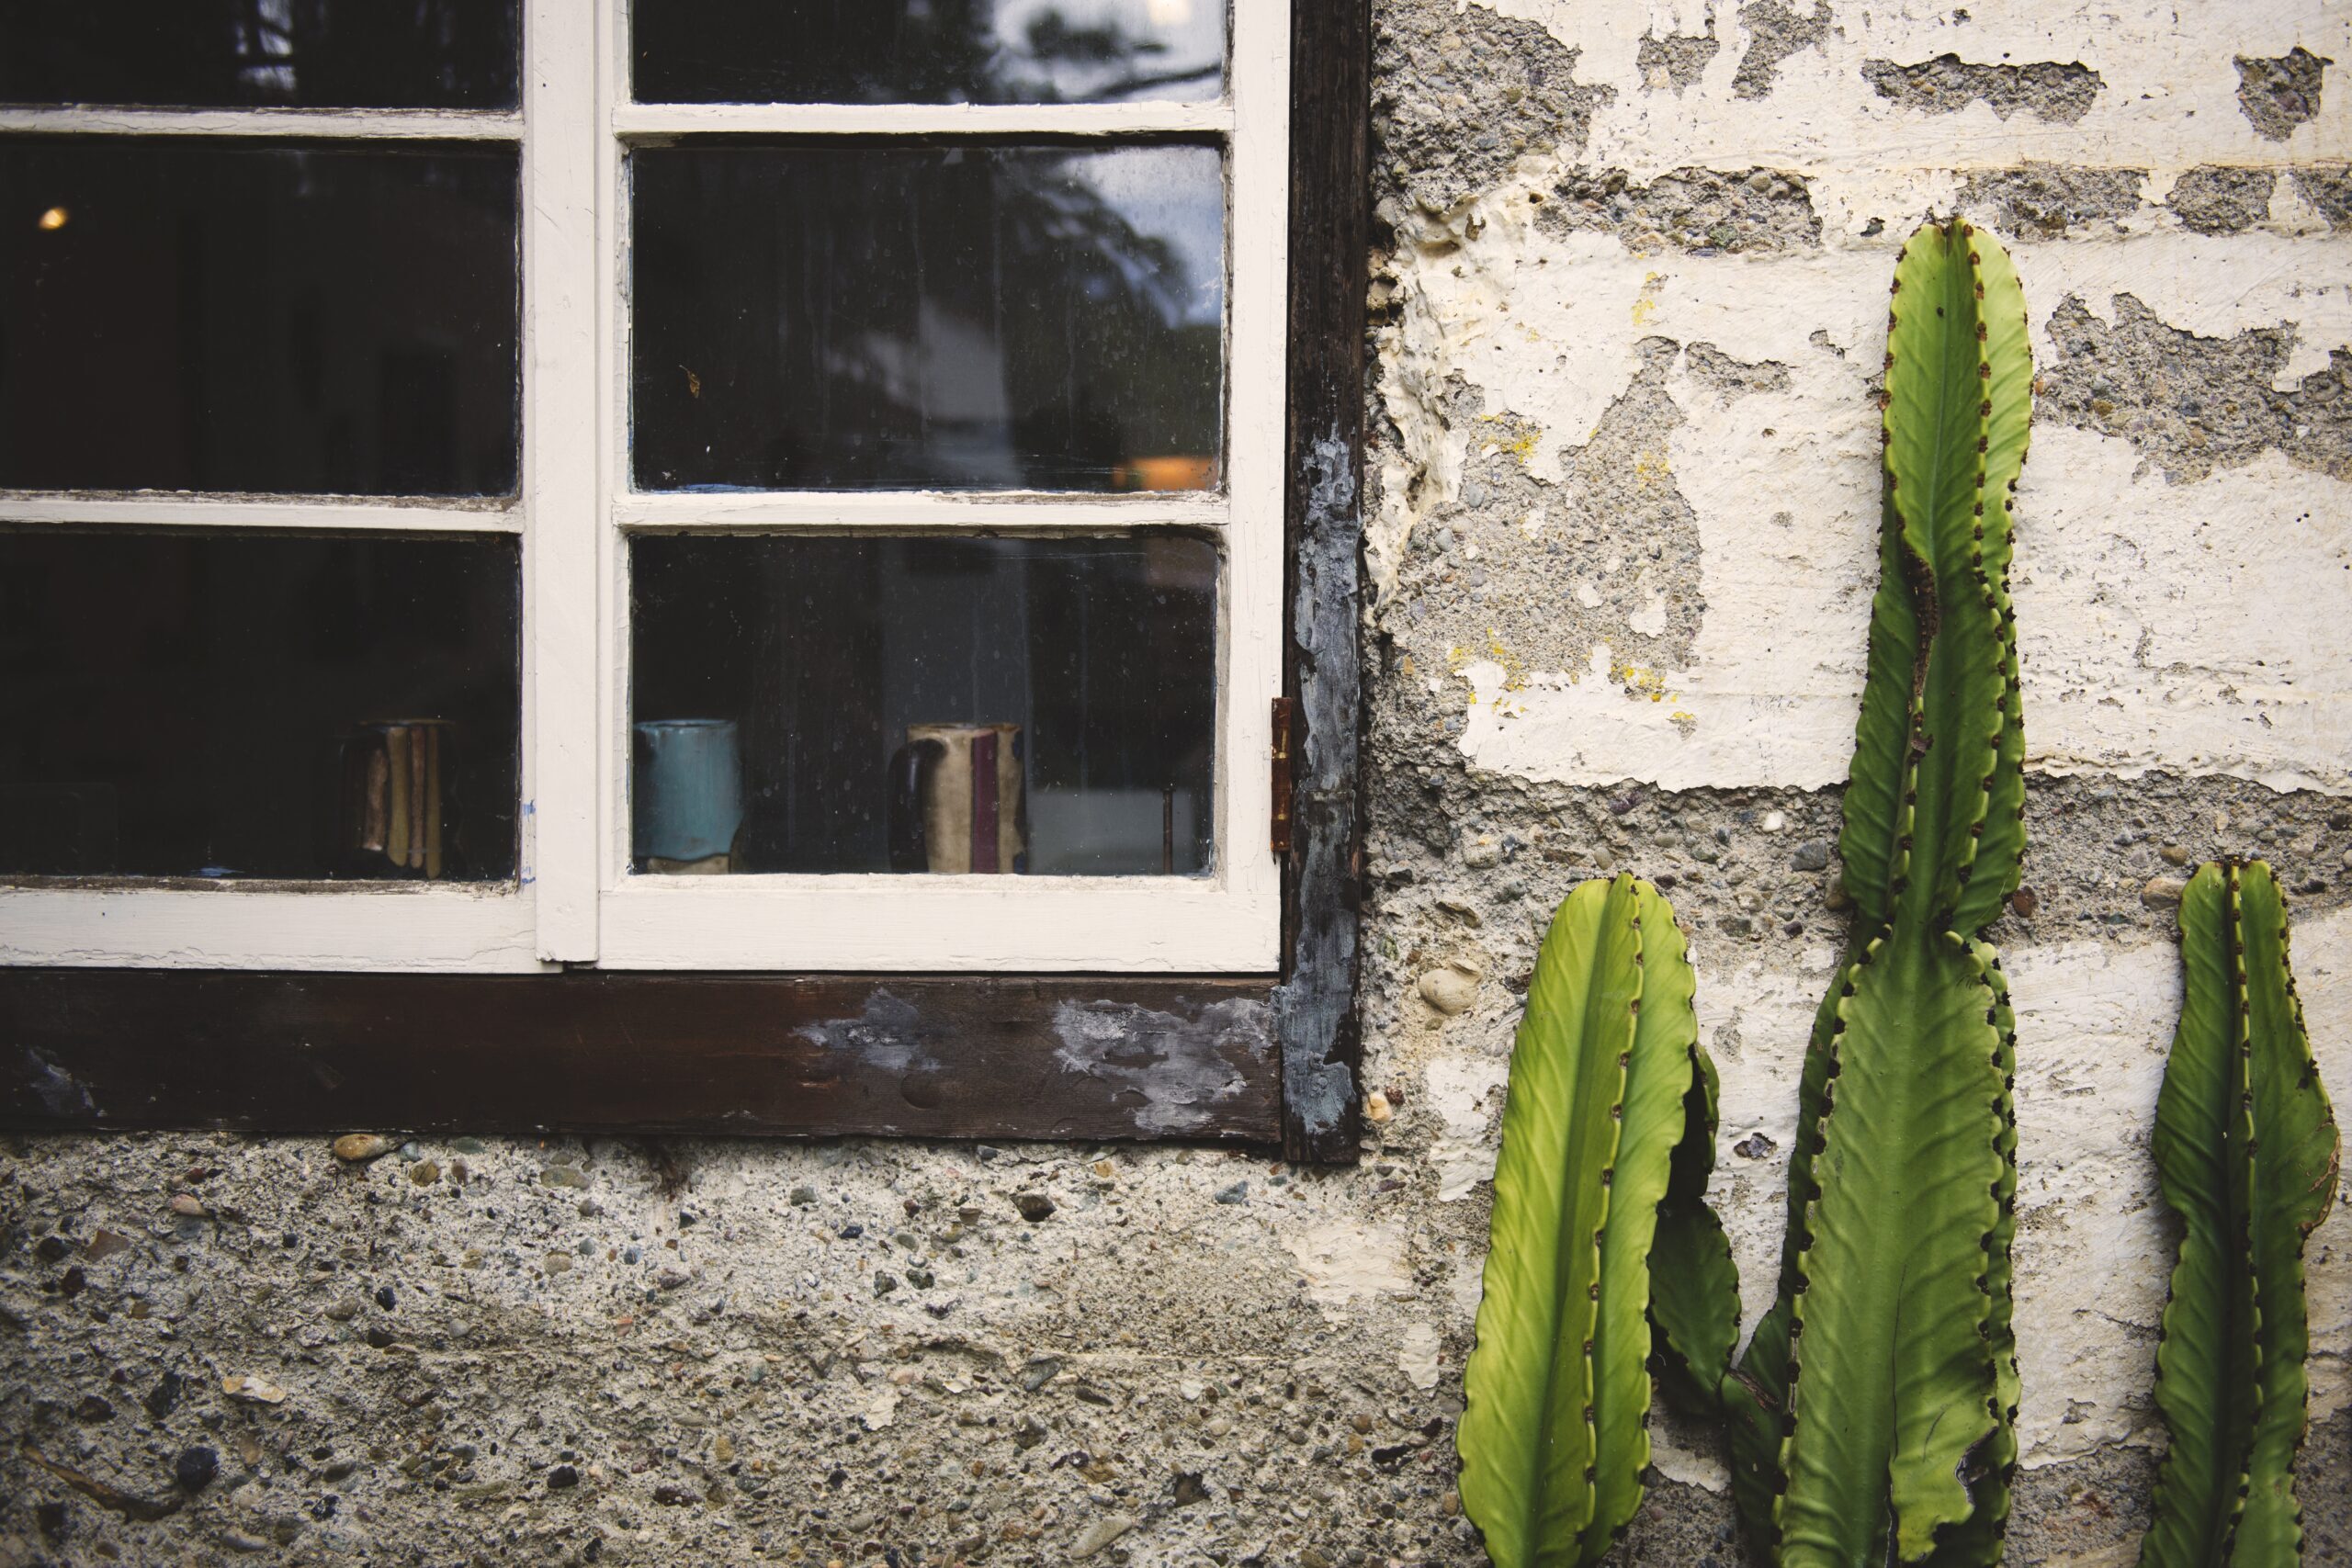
column 1089, row 1058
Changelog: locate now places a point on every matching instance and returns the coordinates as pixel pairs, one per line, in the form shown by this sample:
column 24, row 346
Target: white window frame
column 575, row 901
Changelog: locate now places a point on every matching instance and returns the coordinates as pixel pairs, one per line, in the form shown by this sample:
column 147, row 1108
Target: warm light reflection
column 53, row 219
column 1170, row 12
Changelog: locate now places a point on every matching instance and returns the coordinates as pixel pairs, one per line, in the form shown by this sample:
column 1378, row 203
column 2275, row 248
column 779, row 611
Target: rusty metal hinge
column 1279, row 834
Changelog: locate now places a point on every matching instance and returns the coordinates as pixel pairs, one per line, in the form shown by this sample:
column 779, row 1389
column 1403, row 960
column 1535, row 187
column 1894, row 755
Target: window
column 784, row 486
column 477, row 471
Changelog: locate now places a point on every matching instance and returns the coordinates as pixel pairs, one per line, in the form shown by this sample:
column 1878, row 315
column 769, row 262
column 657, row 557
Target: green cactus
column 1607, row 1138
column 2246, row 1149
column 1872, row 1416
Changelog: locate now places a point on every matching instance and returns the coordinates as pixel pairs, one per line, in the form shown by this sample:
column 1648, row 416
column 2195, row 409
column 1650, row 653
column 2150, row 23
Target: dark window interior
column 303, row 319
column 927, row 51
column 1095, row 658
column 959, row 318
column 429, row 54
column 197, row 704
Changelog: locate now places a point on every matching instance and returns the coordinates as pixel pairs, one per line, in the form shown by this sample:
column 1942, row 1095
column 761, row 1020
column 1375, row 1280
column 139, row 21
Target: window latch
column 1279, row 834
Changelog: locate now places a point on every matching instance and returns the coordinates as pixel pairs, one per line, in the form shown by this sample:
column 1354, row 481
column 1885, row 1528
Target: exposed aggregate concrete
column 2045, row 200
column 1678, row 60
column 2215, row 200
column 2280, row 94
column 1703, row 212
column 2060, row 94
column 1458, row 95
column 2328, row 189
column 2193, row 404
column 1775, row 31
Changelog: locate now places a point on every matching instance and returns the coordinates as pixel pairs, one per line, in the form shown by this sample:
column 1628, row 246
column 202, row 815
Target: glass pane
column 430, row 54
column 927, row 51
column 306, row 320
column 916, row 705
column 955, row 317
column 178, row 704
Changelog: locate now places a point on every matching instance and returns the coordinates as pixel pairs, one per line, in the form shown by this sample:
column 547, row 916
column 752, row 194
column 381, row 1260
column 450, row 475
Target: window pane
column 959, row 318
column 1038, row 705
column 927, row 51
column 184, row 315
column 178, row 704
column 310, row 53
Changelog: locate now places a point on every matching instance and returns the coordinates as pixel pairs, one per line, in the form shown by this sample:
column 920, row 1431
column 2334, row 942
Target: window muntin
column 574, row 898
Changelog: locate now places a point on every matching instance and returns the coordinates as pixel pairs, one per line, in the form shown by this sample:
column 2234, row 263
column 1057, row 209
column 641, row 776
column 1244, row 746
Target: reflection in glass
column 258, row 704
column 959, row 318
column 307, row 320
column 426, row 54
column 926, row 705
column 927, row 51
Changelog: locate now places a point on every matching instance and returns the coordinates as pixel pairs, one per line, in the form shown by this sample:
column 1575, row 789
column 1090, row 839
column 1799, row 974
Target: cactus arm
column 2293, row 1156
column 1526, row 1435
column 1695, row 1284
column 2008, row 354
column 1977, row 1542
column 2246, row 1152
column 1662, row 1077
column 1552, row 1437
column 2205, row 1372
column 1889, row 1369
column 1879, row 783
column 1942, row 492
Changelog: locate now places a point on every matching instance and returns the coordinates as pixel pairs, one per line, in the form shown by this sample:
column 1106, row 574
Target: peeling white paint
column 1340, row 1263
column 2170, row 96
column 2189, row 627
column 1417, row 1354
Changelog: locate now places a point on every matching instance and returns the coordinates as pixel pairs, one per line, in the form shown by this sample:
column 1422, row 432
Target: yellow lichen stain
column 1514, row 671
column 1639, row 682
column 1645, row 303
column 1652, row 468
column 1517, row 437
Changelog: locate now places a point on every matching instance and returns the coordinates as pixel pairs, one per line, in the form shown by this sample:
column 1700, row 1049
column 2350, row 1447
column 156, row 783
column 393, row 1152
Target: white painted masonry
column 2195, row 628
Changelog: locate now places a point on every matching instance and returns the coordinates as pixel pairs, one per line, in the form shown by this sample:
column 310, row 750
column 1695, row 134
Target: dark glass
column 185, row 704
column 230, row 316
column 424, row 55
column 926, row 51
column 953, row 317
column 860, row 674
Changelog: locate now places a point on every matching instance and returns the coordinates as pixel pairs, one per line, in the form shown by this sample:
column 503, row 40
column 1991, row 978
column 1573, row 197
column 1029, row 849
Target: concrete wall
column 1624, row 494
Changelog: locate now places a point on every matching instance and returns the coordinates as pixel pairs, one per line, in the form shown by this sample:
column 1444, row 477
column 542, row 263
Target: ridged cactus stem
column 2246, row 1150
column 1873, row 1414
column 1610, row 1116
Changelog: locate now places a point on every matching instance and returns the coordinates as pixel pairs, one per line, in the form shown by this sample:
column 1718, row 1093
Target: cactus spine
column 1873, row 1417
column 1610, row 1115
column 2246, row 1148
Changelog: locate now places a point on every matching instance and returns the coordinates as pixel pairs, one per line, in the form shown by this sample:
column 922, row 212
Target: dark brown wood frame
column 1268, row 1061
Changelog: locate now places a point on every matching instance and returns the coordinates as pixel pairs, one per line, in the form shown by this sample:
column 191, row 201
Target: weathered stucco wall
column 1625, row 493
